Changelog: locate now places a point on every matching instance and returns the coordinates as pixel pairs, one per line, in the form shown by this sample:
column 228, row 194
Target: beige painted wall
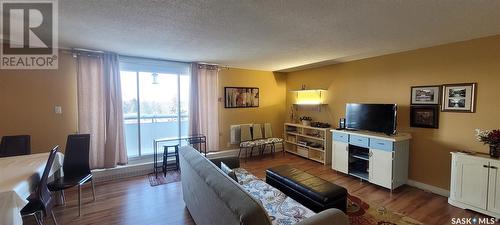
column 27, row 100
column 28, row 97
column 272, row 87
column 387, row 79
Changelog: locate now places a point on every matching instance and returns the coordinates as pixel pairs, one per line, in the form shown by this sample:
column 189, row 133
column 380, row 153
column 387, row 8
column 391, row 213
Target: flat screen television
column 372, row 117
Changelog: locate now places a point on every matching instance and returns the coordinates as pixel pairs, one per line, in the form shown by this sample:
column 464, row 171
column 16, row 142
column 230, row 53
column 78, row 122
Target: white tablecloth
column 19, row 176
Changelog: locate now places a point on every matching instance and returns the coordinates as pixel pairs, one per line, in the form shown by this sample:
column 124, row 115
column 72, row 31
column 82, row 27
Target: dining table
column 19, row 177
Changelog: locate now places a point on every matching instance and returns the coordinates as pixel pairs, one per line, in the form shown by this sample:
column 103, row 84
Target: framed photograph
column 425, row 95
column 241, row 97
column 426, row 116
column 459, row 97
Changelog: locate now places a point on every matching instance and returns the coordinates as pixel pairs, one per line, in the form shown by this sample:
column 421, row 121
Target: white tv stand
column 377, row 158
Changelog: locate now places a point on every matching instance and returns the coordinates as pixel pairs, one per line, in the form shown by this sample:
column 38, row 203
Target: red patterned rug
column 172, row 176
column 361, row 213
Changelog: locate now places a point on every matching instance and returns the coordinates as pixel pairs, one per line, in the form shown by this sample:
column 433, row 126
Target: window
column 155, row 97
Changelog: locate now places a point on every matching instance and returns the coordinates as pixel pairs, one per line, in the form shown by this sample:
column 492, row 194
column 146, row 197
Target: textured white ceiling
column 271, row 34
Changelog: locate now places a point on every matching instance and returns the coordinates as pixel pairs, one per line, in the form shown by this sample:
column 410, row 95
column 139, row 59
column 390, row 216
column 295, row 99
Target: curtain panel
column 203, row 104
column 100, row 108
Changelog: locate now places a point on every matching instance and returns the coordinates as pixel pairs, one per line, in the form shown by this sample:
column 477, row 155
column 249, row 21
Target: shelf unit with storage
column 309, row 142
column 377, row 158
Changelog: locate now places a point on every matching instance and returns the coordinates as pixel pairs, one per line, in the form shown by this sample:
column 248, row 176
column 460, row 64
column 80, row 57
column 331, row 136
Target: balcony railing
column 151, row 127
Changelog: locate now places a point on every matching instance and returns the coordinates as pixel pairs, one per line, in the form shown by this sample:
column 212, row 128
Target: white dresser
column 475, row 183
column 377, row 158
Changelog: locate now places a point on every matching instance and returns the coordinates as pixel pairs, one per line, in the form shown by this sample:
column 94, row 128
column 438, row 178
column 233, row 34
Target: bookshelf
column 309, row 142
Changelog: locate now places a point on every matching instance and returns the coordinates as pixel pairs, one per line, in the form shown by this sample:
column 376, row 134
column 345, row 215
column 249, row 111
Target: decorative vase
column 306, row 122
column 495, row 151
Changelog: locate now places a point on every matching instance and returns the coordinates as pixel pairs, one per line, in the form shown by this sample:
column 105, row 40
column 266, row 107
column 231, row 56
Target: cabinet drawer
column 381, row 144
column 358, row 141
column 340, row 137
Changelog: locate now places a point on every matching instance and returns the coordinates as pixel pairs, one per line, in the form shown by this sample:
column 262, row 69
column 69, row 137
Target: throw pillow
column 228, row 171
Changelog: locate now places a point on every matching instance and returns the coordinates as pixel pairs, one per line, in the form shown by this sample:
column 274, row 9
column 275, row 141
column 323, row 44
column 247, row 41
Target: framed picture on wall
column 459, row 97
column 425, row 95
column 426, row 116
column 241, row 97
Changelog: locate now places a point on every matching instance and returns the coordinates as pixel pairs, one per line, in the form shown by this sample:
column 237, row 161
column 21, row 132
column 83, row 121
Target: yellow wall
column 272, row 88
column 28, row 97
column 387, row 79
column 27, row 100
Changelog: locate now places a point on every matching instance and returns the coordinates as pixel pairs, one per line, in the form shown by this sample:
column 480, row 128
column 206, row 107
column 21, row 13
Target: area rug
column 362, row 213
column 172, row 176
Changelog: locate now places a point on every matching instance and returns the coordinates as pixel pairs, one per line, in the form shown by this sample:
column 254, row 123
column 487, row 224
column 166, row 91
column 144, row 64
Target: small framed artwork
column 459, row 97
column 241, row 97
column 426, row 116
column 425, row 95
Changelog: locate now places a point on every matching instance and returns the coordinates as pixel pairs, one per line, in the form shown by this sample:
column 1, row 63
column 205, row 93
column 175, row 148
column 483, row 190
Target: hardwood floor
column 130, row 202
column 134, row 201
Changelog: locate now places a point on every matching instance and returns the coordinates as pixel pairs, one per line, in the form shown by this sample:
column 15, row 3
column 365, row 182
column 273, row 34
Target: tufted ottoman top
column 314, row 187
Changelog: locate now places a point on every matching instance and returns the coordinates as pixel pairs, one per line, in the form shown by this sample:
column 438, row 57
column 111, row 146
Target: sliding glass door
column 155, row 105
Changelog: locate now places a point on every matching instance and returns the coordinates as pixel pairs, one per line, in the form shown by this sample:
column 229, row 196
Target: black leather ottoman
column 311, row 191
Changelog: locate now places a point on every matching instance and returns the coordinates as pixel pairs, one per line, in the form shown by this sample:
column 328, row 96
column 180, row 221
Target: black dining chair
column 42, row 201
column 76, row 168
column 15, row 145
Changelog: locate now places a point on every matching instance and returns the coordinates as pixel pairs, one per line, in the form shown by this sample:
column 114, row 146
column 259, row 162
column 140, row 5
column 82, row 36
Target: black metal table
column 197, row 139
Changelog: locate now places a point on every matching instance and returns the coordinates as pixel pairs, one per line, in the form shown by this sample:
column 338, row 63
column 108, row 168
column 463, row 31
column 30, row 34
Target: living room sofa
column 213, row 198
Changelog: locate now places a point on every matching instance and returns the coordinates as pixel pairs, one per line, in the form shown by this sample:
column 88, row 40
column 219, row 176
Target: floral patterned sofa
column 212, row 197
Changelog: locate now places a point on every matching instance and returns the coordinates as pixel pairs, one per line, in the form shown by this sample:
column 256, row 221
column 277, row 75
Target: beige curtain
column 204, row 106
column 100, row 108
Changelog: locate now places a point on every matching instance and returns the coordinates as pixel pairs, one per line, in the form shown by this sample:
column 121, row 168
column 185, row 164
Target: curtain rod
column 86, row 50
column 100, row 52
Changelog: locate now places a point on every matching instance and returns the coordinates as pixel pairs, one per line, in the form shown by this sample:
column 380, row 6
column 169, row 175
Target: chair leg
column 63, row 197
column 53, row 218
column 93, row 188
column 38, row 222
column 239, row 153
column 79, row 200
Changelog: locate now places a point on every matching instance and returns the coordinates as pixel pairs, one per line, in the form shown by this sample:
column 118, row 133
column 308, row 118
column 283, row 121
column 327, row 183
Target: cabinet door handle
column 493, row 167
column 485, row 166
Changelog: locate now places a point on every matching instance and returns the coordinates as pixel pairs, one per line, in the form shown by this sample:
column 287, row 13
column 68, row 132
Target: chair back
column 43, row 193
column 76, row 156
column 268, row 131
column 257, row 131
column 15, row 145
column 246, row 134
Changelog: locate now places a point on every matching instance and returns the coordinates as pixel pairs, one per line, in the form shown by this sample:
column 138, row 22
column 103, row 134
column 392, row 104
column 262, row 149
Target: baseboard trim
column 430, row 188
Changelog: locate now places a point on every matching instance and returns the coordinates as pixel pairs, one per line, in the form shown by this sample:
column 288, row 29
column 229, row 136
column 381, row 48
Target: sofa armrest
column 327, row 217
column 232, row 161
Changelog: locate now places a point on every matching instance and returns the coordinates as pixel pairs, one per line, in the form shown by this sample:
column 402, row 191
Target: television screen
column 371, row 117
